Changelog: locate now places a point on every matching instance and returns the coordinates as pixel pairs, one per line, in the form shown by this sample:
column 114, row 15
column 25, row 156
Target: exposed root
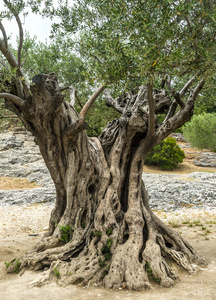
column 126, row 268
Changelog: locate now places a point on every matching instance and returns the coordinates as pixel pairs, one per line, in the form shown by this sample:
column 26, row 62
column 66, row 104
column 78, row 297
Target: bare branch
column 186, row 86
column 4, row 34
column 90, row 102
column 70, row 87
column 112, row 102
column 4, row 65
column 16, row 100
column 64, row 88
column 77, row 98
column 14, row 64
column 181, row 117
column 8, row 117
column 9, row 5
column 151, row 101
column 98, row 59
column 171, row 111
column 196, row 91
column 175, row 94
column 72, row 95
column 189, row 25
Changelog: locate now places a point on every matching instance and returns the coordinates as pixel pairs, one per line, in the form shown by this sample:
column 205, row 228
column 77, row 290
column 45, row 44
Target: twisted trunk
column 102, row 228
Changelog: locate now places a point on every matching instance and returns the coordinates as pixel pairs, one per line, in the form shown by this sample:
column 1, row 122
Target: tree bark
column 102, row 229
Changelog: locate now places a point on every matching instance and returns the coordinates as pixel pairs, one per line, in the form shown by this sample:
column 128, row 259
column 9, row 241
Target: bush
column 201, row 131
column 167, row 154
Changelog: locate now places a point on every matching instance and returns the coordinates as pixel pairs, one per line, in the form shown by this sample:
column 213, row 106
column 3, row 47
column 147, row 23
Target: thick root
column 126, row 269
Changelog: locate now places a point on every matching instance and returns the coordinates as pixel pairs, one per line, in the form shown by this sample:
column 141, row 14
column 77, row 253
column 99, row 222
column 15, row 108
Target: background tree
column 102, row 228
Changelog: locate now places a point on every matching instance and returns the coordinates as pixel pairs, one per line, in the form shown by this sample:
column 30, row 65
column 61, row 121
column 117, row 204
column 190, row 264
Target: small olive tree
column 200, row 132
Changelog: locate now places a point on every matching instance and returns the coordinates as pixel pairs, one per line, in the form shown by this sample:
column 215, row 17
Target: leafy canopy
column 122, row 43
column 135, row 39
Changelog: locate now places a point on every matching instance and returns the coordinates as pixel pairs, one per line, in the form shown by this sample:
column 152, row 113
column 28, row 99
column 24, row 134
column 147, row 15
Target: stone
column 206, row 159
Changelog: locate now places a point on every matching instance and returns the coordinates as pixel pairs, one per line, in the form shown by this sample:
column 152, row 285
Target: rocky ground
column 20, row 158
column 185, row 199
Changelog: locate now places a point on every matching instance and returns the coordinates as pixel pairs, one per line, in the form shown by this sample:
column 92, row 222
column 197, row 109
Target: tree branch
column 151, row 119
column 16, row 100
column 96, row 57
column 112, row 102
column 196, row 91
column 74, row 94
column 171, row 111
column 8, row 117
column 14, row 64
column 90, row 102
column 4, row 34
column 181, row 117
column 9, row 5
column 175, row 94
column 4, row 65
column 186, row 86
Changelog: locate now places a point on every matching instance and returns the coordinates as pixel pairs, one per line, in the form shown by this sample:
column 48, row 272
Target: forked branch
column 196, row 91
column 175, row 94
column 184, row 114
column 186, row 86
column 112, row 102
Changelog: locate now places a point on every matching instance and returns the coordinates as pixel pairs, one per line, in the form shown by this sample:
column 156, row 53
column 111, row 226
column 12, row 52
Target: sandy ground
column 16, row 223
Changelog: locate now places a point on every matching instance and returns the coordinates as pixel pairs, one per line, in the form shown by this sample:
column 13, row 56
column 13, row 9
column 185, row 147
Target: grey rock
column 20, row 157
column 206, row 159
column 171, row 192
column 178, row 136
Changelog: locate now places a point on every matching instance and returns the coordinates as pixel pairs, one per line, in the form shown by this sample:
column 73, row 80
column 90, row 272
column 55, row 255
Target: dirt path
column 198, row 227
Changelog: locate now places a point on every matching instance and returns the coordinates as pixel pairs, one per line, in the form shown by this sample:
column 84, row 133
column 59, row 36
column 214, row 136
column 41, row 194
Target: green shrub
column 201, row 131
column 167, row 154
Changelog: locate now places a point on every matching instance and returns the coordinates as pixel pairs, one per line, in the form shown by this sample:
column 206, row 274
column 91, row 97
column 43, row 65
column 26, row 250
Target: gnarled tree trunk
column 102, row 228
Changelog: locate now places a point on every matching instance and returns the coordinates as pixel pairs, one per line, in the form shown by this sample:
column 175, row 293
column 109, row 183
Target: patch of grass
column 203, row 228
column 96, row 233
column 150, row 273
column 186, row 222
column 16, row 263
column 211, row 222
column 83, row 225
column 174, row 224
column 66, row 233
column 106, row 253
column 109, row 231
column 197, row 223
column 106, row 250
column 101, row 262
column 57, row 273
